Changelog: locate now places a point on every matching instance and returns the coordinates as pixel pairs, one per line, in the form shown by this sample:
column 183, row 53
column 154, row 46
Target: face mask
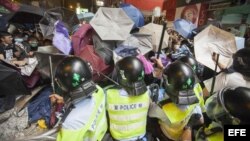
column 19, row 40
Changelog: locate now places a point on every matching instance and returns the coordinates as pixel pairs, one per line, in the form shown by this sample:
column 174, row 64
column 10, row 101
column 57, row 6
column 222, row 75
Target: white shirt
column 223, row 80
column 79, row 116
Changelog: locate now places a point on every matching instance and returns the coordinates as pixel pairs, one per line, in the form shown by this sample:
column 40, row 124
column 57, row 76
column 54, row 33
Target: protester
column 8, row 51
column 238, row 75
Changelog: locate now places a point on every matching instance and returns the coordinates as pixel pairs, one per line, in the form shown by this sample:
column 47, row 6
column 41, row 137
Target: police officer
column 86, row 116
column 183, row 104
column 229, row 106
column 128, row 104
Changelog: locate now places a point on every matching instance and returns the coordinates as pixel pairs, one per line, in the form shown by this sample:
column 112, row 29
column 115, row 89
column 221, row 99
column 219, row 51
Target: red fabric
column 32, row 80
column 83, row 48
column 10, row 5
column 81, row 38
column 97, row 63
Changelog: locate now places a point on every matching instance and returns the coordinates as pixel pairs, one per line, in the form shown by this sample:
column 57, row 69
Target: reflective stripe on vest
column 127, row 114
column 177, row 115
column 97, row 120
column 199, row 93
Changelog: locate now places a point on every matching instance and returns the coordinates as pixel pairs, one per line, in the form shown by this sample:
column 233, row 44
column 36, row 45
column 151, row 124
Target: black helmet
column 190, row 61
column 241, row 61
column 74, row 75
column 130, row 75
column 230, row 106
column 179, row 82
column 237, row 103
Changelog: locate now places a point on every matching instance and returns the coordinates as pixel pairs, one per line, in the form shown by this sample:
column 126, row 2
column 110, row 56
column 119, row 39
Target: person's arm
column 158, row 71
column 195, row 120
column 187, row 134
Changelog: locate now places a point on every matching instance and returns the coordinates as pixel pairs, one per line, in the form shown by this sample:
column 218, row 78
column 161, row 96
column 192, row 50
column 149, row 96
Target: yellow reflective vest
column 214, row 136
column 97, row 118
column 179, row 117
column 127, row 114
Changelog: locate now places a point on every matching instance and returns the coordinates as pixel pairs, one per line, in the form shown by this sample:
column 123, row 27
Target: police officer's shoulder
column 111, row 87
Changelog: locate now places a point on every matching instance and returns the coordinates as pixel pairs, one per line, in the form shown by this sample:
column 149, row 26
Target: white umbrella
column 141, row 41
column 214, row 40
column 155, row 30
column 112, row 24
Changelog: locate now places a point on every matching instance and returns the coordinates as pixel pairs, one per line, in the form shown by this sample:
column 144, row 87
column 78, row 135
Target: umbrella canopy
column 104, row 49
column 43, row 54
column 184, row 27
column 97, row 63
column 155, row 30
column 112, row 24
column 134, row 13
column 214, row 40
column 139, row 40
column 68, row 17
column 27, row 14
column 11, row 82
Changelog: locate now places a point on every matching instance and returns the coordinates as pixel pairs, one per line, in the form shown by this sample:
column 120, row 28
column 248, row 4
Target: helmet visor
column 216, row 111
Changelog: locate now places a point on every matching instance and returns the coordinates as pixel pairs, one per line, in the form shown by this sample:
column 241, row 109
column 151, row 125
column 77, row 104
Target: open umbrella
column 134, row 13
column 43, row 54
column 68, row 17
column 98, row 64
column 104, row 48
column 184, row 27
column 139, row 40
column 155, row 30
column 214, row 40
column 112, row 24
column 26, row 14
column 11, row 81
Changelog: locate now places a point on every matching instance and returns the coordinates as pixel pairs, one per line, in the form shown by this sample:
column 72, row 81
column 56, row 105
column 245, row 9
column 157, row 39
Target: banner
column 189, row 12
column 203, row 14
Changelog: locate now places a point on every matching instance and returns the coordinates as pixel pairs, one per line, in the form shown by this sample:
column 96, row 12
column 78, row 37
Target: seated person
column 7, row 50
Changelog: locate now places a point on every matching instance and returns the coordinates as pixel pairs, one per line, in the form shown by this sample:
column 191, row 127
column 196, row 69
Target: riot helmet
column 74, row 76
column 190, row 61
column 130, row 75
column 179, row 81
column 230, row 106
